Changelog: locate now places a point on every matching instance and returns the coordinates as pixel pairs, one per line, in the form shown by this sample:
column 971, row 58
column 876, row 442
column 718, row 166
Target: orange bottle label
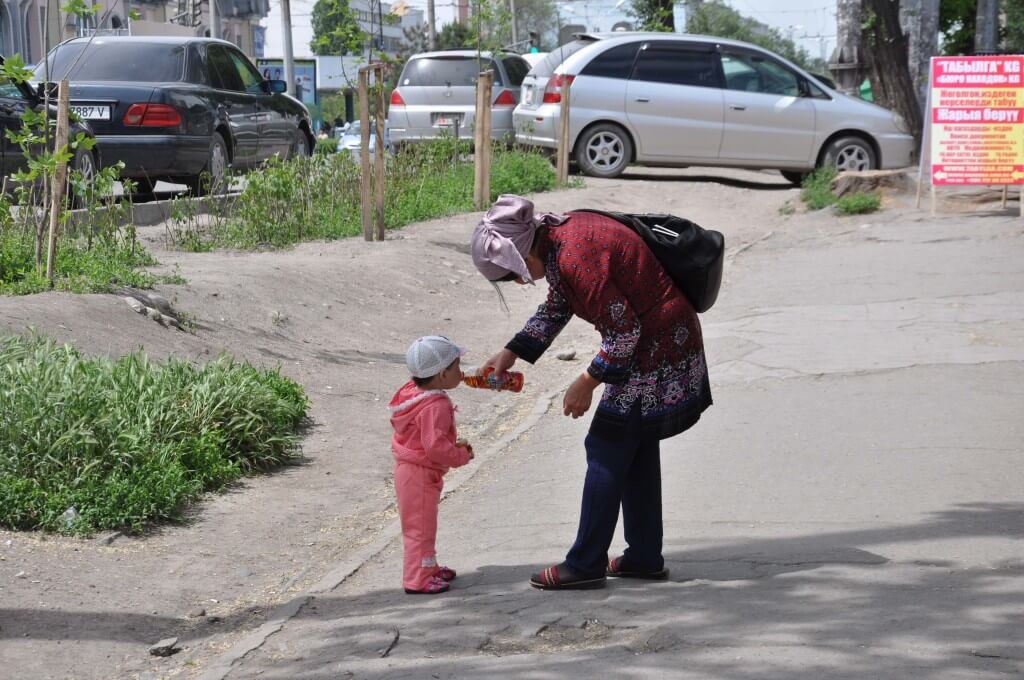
column 512, row 382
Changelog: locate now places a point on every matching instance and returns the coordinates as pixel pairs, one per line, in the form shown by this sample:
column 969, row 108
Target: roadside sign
column 977, row 120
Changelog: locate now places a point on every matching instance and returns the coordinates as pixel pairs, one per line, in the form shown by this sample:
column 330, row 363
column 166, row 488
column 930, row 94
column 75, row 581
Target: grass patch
column 859, row 204
column 318, row 198
column 130, row 441
column 816, row 190
column 91, row 258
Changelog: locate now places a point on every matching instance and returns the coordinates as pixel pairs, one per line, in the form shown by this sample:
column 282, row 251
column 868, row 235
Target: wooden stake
column 1006, row 193
column 934, row 200
column 379, row 157
column 1021, row 199
column 59, row 177
column 364, row 154
column 485, row 151
column 563, row 135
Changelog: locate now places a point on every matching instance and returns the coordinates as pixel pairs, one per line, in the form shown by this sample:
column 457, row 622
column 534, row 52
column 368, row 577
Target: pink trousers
column 419, row 491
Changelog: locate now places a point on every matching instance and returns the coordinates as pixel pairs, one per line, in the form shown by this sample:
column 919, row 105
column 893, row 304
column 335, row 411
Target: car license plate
column 528, row 95
column 447, row 119
column 91, row 112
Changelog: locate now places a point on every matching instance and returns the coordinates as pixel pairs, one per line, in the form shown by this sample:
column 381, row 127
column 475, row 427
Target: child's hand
column 463, row 444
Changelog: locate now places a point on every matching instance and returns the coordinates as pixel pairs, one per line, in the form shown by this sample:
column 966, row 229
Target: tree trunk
column 884, row 49
column 986, row 36
column 920, row 21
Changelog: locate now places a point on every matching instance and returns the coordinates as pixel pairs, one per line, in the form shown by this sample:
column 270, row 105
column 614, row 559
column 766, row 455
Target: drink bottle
column 484, row 378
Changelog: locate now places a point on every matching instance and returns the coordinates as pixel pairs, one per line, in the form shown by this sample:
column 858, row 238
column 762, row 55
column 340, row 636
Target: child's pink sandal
column 446, row 574
column 434, row 586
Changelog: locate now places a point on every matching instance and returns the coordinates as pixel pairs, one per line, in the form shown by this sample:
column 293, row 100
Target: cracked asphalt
column 850, row 507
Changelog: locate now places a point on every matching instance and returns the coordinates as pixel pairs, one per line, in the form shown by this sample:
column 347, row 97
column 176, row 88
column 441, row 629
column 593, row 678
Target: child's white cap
column 431, row 354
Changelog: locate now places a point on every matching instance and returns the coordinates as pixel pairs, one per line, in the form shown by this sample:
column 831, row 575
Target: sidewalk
column 849, row 508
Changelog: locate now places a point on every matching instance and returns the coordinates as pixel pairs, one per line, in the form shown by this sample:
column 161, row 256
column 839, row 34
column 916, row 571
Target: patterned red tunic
column 651, row 350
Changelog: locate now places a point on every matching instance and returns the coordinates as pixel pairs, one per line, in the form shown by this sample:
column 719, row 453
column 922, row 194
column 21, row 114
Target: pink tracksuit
column 424, row 449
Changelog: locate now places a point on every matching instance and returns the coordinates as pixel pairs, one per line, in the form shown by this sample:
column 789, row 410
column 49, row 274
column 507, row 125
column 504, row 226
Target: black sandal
column 561, row 577
column 615, row 570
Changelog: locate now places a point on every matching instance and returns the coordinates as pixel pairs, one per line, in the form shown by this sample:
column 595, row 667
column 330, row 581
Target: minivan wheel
column 604, row 151
column 850, row 154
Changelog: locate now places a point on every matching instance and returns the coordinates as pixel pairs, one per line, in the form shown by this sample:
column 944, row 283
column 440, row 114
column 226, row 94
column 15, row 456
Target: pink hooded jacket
column 424, row 423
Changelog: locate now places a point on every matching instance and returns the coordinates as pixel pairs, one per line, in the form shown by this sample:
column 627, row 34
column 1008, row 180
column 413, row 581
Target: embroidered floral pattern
column 651, row 346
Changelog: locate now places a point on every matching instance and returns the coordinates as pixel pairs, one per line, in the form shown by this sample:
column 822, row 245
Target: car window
column 117, row 61
column 196, row 68
column 446, row 71
column 223, row 74
column 516, row 68
column 753, row 73
column 9, row 90
column 677, row 66
column 614, row 63
column 546, row 66
column 250, row 77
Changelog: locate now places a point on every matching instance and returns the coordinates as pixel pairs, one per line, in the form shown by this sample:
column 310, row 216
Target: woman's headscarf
column 502, row 239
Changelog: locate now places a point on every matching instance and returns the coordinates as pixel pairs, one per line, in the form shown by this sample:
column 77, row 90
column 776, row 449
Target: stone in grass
column 165, row 647
column 196, row 613
column 161, row 303
column 566, row 355
column 135, row 305
column 154, row 314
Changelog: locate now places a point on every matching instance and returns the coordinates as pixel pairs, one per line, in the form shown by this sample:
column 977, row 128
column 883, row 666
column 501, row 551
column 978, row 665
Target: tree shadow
column 803, row 607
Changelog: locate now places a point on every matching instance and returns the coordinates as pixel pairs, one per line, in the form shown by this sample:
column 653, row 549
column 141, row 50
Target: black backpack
column 691, row 255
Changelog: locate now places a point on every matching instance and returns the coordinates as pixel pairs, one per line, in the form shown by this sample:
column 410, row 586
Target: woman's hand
column 579, row 395
column 501, row 362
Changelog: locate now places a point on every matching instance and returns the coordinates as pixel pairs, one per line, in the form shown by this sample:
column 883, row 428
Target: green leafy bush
column 857, row 204
column 816, row 190
column 319, row 197
column 129, row 441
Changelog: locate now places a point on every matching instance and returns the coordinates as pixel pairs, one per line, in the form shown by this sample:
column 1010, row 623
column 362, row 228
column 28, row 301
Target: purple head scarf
column 502, row 239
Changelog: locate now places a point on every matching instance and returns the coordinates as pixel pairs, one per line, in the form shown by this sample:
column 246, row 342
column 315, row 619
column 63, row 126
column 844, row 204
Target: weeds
column 816, row 190
column 315, row 198
column 129, row 441
column 858, row 204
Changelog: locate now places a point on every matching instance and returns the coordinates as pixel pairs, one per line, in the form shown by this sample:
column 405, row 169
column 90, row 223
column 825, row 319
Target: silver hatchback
column 673, row 100
column 436, row 95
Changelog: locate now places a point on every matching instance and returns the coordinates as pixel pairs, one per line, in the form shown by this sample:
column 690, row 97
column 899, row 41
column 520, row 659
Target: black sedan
column 15, row 98
column 177, row 109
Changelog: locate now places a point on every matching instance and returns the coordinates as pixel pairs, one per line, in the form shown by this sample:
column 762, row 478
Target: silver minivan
column 674, row 100
column 436, row 95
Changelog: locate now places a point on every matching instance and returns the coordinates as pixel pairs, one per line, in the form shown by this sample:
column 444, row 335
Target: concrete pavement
column 850, row 507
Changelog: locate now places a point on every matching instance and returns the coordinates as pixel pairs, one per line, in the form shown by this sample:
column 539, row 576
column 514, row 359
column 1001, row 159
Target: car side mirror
column 804, row 88
column 275, row 86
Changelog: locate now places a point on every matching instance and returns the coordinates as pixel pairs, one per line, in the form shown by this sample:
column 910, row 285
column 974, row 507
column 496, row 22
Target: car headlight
column 901, row 123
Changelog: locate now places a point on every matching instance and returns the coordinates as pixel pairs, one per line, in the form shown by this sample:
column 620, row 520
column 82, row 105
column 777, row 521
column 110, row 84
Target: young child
column 425, row 447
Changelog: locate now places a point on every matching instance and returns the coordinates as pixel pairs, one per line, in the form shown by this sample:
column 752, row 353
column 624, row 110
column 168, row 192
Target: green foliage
column 336, row 30
column 80, row 9
column 653, row 15
column 130, row 441
column 816, row 190
column 319, row 197
column 859, row 203
column 718, row 19
column 454, row 36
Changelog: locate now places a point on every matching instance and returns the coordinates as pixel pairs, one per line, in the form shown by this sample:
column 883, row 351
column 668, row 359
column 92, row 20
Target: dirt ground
column 337, row 317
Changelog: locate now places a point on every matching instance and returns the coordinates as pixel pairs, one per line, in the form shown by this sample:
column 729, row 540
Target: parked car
column 15, row 99
column 664, row 99
column 178, row 109
column 350, row 138
column 436, row 95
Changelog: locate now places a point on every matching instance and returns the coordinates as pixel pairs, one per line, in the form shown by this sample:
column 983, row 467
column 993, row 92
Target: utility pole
column 289, row 53
column 986, row 36
column 431, row 26
column 515, row 34
column 214, row 20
